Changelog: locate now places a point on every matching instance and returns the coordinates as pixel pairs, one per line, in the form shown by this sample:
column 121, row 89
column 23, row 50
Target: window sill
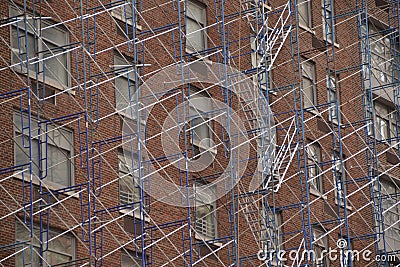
column 207, row 240
column 50, row 186
column 133, row 118
column 342, row 206
column 138, row 27
column 335, row 121
column 314, row 111
column 317, row 193
column 264, row 88
column 208, row 149
column 306, row 28
column 135, row 214
column 48, row 81
column 330, row 42
column 199, row 56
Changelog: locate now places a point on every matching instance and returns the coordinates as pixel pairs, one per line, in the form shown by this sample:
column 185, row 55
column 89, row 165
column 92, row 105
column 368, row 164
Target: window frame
column 393, row 233
column 276, row 230
column 339, row 171
column 131, row 176
column 121, row 13
column 203, row 114
column 320, row 243
column 377, row 37
column 331, row 11
column 17, row 129
column 332, row 88
column 54, row 231
column 203, row 24
column 305, row 66
column 390, row 120
column 313, row 161
column 122, row 71
column 212, row 214
column 278, row 220
column 42, row 48
column 308, row 5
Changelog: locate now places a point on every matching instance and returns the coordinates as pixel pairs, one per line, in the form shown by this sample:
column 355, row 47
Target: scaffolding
column 200, row 133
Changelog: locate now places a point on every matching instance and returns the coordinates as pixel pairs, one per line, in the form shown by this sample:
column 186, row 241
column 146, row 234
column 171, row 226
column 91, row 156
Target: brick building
column 199, row 132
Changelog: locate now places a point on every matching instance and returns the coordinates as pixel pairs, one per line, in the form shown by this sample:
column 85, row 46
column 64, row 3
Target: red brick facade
column 166, row 236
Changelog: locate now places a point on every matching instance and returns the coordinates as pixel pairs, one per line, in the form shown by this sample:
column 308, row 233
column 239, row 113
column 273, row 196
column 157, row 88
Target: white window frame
column 381, row 71
column 272, row 229
column 384, row 118
column 196, row 111
column 277, row 227
column 390, row 193
column 309, row 66
column 41, row 47
column 339, row 174
column 36, row 246
column 63, row 145
column 314, row 170
column 126, row 172
column 124, row 13
column 203, row 199
column 202, row 22
column 320, row 243
column 330, row 13
column 332, row 88
column 122, row 71
column 308, row 24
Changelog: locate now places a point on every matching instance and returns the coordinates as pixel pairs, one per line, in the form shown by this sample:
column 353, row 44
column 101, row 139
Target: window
column 124, row 86
column 272, row 239
column 56, row 156
column 385, row 121
column 259, row 61
column 349, row 254
column 200, row 106
column 383, row 70
column 328, row 20
column 206, row 221
column 124, row 13
column 130, row 259
column 332, row 97
column 320, row 244
column 128, row 165
column 201, row 132
column 304, row 12
column 195, row 26
column 339, row 178
column 390, row 193
column 308, row 83
column 48, row 50
column 274, row 228
column 61, row 248
column 314, row 169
